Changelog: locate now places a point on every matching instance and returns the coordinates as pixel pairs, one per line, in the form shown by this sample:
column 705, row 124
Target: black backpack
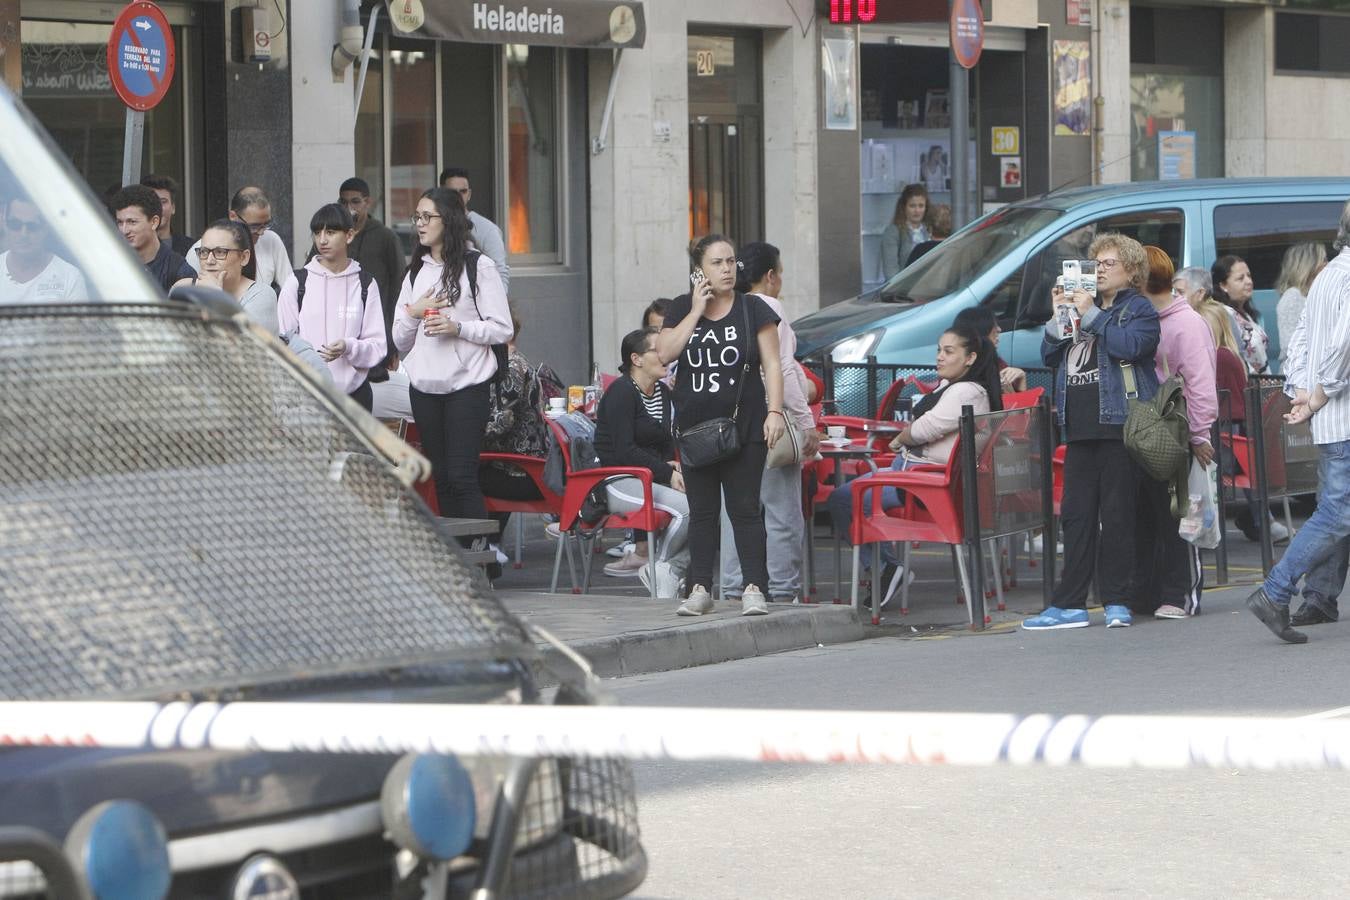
column 501, row 351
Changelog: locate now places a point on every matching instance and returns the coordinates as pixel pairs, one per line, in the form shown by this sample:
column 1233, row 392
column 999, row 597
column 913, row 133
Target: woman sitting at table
column 968, row 367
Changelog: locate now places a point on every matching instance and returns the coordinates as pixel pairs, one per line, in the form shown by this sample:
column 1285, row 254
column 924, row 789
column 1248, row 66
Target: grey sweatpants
column 780, row 495
column 672, row 545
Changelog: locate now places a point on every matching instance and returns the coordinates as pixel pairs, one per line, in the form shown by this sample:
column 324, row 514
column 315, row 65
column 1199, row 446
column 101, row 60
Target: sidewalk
column 619, row 629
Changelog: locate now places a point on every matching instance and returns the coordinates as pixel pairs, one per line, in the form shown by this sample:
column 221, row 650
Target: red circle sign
column 967, row 32
column 141, row 55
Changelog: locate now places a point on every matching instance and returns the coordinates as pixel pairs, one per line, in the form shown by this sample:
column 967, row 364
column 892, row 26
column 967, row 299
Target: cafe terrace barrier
column 1284, row 456
column 1007, row 456
column 690, row 734
column 856, row 389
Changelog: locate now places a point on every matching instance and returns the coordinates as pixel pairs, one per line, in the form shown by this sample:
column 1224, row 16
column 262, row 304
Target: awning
column 617, row 24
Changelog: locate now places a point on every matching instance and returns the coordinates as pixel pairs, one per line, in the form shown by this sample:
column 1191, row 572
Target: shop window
column 411, row 80
column 726, row 145
column 1163, row 228
column 532, row 139
column 1313, row 44
column 369, row 140
column 1176, row 84
column 66, row 86
column 1261, row 232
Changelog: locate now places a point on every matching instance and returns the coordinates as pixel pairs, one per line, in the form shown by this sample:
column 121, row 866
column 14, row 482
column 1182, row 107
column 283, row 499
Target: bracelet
column 780, row 412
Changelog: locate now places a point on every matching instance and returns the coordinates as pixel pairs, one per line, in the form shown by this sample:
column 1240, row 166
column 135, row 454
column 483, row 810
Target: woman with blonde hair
column 1301, row 264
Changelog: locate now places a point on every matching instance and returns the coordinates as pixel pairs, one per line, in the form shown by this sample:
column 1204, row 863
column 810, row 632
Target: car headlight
column 121, row 850
column 857, row 348
column 542, row 814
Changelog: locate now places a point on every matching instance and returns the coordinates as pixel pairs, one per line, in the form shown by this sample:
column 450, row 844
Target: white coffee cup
column 557, row 404
column 836, row 432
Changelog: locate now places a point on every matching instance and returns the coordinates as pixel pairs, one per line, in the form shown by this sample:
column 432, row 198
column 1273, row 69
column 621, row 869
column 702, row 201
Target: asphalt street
column 792, row 831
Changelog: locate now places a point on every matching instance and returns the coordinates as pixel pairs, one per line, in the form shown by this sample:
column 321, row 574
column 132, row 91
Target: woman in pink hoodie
column 1168, row 579
column 335, row 306
column 451, row 310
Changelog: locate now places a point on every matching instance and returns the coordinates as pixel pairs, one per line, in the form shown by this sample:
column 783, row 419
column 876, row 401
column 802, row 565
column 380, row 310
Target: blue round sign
column 141, row 55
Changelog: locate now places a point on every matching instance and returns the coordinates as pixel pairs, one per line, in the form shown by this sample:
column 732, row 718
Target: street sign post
column 966, row 25
column 141, row 62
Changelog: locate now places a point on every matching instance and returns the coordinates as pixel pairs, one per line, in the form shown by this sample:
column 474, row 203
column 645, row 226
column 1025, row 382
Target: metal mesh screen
column 183, row 513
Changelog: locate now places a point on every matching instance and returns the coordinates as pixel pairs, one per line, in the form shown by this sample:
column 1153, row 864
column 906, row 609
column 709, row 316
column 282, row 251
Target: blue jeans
column 840, row 505
column 1313, row 550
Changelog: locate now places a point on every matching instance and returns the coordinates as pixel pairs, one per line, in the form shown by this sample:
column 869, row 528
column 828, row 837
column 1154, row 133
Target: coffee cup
column 836, row 432
column 557, row 404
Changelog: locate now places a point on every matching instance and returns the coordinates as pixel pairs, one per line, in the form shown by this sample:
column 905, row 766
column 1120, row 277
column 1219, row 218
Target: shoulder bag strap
column 745, row 369
column 1131, row 387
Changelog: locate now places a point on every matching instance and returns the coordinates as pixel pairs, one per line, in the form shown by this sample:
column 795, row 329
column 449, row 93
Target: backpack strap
column 300, row 275
column 471, row 270
column 365, row 278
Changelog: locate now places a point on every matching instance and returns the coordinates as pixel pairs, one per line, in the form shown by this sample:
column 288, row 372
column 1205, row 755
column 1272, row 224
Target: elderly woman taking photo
column 727, row 416
column 1096, row 344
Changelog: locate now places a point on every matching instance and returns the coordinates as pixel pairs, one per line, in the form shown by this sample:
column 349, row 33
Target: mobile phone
column 697, row 277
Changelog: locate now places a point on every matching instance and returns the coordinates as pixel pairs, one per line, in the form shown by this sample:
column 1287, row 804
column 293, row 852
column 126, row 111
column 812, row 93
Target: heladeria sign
column 557, row 23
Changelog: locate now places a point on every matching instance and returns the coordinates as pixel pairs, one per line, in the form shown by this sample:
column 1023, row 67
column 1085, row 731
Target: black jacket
column 626, row 436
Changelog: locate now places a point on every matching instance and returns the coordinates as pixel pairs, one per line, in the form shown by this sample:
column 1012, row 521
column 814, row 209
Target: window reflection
column 532, row 159
column 411, row 71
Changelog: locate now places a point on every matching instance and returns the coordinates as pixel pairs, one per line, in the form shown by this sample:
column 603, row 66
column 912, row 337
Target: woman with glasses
column 225, row 260
column 1168, row 580
column 722, row 339
column 1088, row 342
column 451, row 310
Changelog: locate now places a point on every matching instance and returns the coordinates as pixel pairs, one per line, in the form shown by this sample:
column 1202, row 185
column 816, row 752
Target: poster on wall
column 838, row 52
column 1176, row 155
column 1010, row 171
column 1073, row 88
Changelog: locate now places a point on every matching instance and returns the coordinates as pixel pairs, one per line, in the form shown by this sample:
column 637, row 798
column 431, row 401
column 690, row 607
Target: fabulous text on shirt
column 716, row 356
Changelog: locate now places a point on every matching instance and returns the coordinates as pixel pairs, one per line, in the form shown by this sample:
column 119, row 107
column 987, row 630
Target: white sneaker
column 1278, row 533
column 899, row 575
column 621, row 550
column 752, row 602
column 699, row 603
column 551, row 531
column 629, row 566
column 668, row 584
column 502, row 558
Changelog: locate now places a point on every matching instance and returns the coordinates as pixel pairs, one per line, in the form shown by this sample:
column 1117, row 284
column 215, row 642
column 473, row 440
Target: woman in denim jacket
column 1119, row 326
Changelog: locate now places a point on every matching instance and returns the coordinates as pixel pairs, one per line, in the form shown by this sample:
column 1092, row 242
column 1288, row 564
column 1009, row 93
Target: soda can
column 576, row 397
column 590, row 399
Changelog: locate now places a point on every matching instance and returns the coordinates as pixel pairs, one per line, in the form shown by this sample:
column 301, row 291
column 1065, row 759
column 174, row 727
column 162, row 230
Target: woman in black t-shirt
column 706, row 332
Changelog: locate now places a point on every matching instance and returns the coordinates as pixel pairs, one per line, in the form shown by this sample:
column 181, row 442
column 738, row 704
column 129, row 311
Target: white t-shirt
column 274, row 263
column 58, row 281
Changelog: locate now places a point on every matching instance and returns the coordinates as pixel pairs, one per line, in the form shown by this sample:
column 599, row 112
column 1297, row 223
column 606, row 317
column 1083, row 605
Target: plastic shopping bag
column 1200, row 525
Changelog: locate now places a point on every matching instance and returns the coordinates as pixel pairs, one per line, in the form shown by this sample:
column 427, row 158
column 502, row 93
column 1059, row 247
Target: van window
column 1160, row 227
column 965, row 256
column 1261, row 232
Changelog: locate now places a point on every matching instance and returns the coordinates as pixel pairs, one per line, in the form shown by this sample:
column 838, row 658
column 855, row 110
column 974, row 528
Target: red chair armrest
column 579, row 484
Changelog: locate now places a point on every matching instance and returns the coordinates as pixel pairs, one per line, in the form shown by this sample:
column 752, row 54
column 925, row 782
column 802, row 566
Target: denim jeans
column 840, row 506
column 1322, row 535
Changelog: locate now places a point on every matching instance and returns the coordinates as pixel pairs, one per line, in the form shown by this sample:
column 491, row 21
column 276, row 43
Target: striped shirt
column 1319, row 352
column 655, row 405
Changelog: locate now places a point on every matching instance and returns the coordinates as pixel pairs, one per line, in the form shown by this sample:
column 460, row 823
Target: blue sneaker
column 1054, row 617
column 1118, row 617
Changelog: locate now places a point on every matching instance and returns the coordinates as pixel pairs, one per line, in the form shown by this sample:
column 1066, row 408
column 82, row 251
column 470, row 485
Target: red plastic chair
column 570, row 527
column 548, row 504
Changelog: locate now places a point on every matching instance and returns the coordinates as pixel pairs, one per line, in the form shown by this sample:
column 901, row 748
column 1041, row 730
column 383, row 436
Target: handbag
column 788, row 450
column 717, row 439
column 1157, row 434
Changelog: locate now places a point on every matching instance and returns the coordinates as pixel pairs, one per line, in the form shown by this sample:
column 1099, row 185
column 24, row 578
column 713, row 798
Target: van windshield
column 960, row 259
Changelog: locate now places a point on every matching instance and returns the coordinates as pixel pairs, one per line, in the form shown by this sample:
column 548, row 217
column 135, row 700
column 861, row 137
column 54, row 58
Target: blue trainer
column 1054, row 617
column 1118, row 617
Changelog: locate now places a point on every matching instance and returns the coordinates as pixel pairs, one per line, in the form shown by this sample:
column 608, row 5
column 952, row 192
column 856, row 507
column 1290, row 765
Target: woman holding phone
column 722, row 339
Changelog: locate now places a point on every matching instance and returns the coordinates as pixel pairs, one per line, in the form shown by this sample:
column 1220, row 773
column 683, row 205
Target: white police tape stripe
column 965, row 739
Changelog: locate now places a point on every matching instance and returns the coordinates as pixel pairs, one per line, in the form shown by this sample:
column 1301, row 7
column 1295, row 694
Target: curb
column 707, row 643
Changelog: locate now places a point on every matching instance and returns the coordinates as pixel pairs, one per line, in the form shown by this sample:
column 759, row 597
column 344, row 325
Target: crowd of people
column 709, row 384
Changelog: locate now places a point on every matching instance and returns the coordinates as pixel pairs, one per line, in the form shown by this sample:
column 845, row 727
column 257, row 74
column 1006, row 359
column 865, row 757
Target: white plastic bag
column 1200, row 524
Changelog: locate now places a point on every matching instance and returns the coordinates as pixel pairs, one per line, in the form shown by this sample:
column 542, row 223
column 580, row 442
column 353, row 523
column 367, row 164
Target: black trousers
column 502, row 485
column 451, row 426
column 364, row 395
column 1101, row 484
column 740, row 477
column 1166, row 569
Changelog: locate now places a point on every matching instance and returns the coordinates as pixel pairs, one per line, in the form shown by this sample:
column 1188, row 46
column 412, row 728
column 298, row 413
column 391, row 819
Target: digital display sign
column 891, row 12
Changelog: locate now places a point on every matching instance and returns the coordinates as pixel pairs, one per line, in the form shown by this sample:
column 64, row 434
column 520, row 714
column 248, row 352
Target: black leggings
column 451, row 426
column 1101, row 486
column 501, row 485
column 364, row 396
column 740, row 478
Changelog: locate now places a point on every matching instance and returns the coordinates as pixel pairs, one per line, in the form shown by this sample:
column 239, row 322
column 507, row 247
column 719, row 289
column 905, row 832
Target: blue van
column 1008, row 260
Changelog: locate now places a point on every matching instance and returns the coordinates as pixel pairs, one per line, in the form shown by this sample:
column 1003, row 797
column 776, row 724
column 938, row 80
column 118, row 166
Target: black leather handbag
column 717, row 439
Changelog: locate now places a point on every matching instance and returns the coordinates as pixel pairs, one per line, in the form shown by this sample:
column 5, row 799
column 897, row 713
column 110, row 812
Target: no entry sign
column 141, row 55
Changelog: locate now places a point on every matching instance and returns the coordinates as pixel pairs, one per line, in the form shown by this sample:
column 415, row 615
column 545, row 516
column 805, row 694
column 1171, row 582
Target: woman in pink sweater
column 1168, row 579
column 335, row 306
column 452, row 308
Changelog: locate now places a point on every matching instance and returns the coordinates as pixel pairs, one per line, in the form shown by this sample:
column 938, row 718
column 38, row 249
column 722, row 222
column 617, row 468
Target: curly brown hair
column 1131, row 253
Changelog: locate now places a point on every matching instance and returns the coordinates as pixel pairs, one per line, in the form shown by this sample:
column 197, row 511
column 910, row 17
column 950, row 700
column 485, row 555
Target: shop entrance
column 726, row 145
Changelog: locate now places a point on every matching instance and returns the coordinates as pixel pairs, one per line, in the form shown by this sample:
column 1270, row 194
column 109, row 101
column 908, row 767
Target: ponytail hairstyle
column 699, row 248
column 757, row 259
column 984, row 372
column 454, row 241
column 1218, row 273
column 633, row 342
column 243, row 240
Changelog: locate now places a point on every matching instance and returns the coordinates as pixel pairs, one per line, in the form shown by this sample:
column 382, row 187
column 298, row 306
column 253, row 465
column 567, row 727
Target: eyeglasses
column 260, row 227
column 463, row 192
column 22, row 225
column 422, row 218
column 218, row 253
column 1107, row 264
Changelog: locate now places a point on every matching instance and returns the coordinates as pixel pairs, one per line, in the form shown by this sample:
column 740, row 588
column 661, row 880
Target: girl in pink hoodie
column 451, row 310
column 335, row 306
